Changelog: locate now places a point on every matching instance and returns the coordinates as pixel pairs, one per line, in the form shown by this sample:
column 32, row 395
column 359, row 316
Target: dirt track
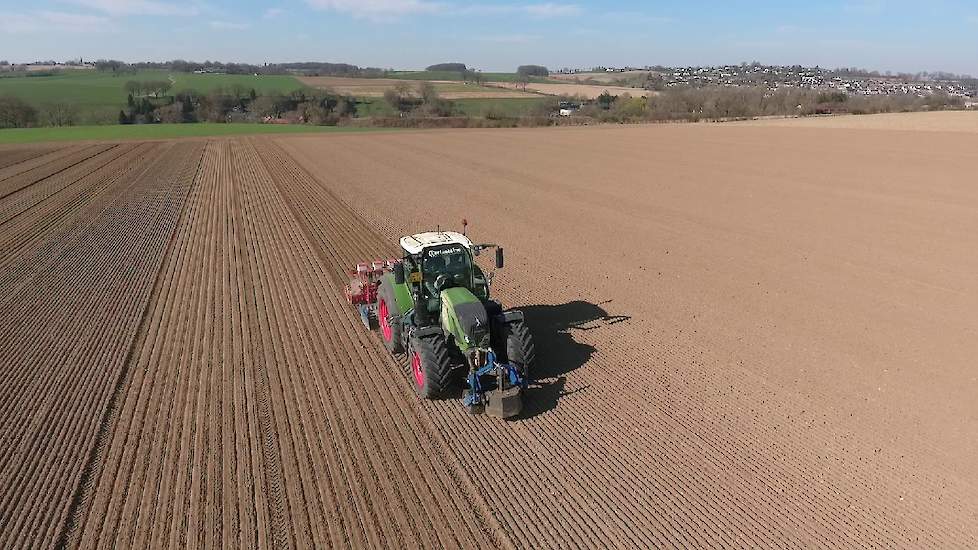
column 749, row 337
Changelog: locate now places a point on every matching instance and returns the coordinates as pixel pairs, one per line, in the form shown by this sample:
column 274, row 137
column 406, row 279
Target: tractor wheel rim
column 385, row 325
column 416, row 369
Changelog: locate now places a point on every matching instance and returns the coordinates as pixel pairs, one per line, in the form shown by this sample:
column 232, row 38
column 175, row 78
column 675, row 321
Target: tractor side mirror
column 399, row 273
column 476, row 250
column 499, row 258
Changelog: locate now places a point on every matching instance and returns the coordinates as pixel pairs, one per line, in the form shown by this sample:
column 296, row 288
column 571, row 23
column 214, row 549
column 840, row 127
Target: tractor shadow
column 558, row 352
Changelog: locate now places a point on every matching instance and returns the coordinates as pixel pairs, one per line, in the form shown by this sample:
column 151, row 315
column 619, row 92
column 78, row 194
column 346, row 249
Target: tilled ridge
column 661, row 440
column 180, row 368
column 257, row 414
column 17, row 159
column 65, row 358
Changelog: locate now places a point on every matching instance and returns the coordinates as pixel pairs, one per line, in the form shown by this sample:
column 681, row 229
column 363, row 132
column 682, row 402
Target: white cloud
column 42, row 21
column 545, row 10
column 387, row 10
column 377, row 9
column 509, row 38
column 552, row 10
column 139, row 7
column 272, row 13
column 229, row 26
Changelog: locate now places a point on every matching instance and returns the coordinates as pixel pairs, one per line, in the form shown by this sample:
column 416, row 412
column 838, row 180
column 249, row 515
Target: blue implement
column 502, row 401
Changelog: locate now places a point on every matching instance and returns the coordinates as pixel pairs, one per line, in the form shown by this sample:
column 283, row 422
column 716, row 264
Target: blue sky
column 499, row 35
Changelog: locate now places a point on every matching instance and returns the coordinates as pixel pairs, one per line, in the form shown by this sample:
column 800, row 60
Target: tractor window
column 480, row 287
column 409, row 264
column 451, row 260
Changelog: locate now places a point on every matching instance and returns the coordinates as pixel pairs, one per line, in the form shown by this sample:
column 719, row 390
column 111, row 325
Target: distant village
column 774, row 77
column 43, row 66
column 657, row 77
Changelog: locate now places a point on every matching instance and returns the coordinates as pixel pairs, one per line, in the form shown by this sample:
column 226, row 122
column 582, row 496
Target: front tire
column 430, row 362
column 520, row 349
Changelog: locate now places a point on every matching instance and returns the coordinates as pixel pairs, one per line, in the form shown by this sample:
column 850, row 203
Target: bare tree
column 399, row 97
column 171, row 113
column 238, row 90
column 265, row 106
column 432, row 104
column 59, row 114
column 16, row 113
column 133, row 87
column 158, row 87
column 428, row 92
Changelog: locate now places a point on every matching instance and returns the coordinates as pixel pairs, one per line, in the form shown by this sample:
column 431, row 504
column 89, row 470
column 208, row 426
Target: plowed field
column 587, row 91
column 748, row 337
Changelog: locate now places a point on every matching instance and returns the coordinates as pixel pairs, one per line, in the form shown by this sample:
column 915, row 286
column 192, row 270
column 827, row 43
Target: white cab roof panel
column 416, row 243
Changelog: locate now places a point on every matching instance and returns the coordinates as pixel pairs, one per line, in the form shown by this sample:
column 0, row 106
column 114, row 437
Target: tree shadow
column 558, row 353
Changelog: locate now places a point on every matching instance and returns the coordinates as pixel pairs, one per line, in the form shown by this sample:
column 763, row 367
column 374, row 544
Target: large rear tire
column 389, row 319
column 431, row 365
column 520, row 349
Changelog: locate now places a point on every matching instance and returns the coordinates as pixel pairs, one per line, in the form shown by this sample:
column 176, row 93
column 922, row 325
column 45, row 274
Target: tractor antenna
column 465, row 224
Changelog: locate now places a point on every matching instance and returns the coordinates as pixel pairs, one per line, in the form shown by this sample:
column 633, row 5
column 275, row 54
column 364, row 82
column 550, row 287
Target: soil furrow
column 736, row 336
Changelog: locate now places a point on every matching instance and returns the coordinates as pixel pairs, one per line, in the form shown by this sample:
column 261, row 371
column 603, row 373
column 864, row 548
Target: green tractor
column 434, row 305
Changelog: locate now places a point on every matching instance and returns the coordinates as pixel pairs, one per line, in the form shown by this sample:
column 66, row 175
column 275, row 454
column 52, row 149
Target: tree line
column 725, row 103
column 448, row 67
column 17, row 113
column 312, row 68
column 532, row 70
column 239, row 104
column 423, row 101
column 157, row 88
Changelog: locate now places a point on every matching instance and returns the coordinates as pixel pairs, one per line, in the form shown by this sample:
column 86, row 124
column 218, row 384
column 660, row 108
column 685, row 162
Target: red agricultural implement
column 362, row 290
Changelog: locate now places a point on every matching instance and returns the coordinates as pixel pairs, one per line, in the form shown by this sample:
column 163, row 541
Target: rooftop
column 414, row 244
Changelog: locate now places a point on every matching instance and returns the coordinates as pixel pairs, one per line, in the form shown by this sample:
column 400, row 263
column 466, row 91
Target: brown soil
column 749, row 336
column 939, row 121
column 604, row 77
column 587, row 91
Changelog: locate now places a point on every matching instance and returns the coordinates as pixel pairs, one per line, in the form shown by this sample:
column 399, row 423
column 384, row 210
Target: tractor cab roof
column 414, row 244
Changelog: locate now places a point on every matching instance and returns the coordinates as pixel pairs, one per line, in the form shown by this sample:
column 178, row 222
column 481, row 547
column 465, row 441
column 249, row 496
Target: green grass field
column 263, row 84
column 374, row 106
column 504, row 107
column 160, row 131
column 508, row 107
column 100, row 95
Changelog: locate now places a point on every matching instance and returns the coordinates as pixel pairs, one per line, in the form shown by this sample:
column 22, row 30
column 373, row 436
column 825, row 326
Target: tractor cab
column 437, row 261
